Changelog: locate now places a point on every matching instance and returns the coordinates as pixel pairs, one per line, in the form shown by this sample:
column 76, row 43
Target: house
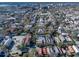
column 18, row 39
column 61, row 38
column 40, row 40
column 57, row 40
column 41, row 31
column 26, row 40
column 8, row 42
column 70, row 50
column 50, row 52
column 44, row 51
column 63, row 51
column 64, row 34
column 56, row 50
column 68, row 38
column 76, row 49
column 39, row 52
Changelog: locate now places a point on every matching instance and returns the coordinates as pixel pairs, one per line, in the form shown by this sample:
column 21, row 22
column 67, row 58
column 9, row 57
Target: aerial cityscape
column 39, row 29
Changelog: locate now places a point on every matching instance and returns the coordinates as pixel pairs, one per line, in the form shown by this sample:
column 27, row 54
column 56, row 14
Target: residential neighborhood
column 33, row 29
